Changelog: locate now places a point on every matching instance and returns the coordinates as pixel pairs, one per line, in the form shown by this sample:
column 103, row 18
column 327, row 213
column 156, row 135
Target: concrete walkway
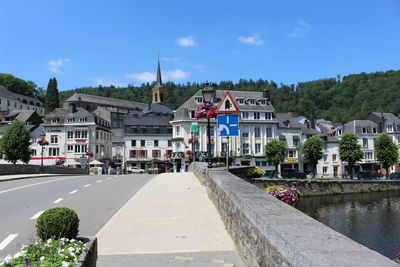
column 24, row 176
column 169, row 222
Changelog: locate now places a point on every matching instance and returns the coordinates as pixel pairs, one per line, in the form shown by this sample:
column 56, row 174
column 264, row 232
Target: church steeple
column 158, row 80
column 158, row 92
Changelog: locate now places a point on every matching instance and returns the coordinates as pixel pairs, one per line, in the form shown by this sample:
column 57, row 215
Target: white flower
column 72, row 254
column 65, row 264
column 72, row 240
column 19, row 254
column 8, row 259
column 42, row 258
column 49, row 241
column 71, row 249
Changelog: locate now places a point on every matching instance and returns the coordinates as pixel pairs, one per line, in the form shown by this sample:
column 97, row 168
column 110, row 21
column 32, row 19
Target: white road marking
column 109, row 178
column 86, row 185
column 58, row 200
column 99, row 181
column 29, row 185
column 7, row 241
column 34, row 217
column 73, row 192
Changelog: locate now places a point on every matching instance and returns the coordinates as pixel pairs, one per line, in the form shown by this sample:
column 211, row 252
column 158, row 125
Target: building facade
column 12, row 102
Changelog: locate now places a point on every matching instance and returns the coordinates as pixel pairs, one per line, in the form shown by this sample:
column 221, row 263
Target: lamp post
column 88, row 155
column 208, row 92
column 42, row 142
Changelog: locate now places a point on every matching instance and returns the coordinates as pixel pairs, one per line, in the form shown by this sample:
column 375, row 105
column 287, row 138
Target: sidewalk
column 4, row 178
column 169, row 222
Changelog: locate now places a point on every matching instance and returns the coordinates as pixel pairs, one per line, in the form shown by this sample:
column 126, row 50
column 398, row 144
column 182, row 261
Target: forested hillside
column 352, row 97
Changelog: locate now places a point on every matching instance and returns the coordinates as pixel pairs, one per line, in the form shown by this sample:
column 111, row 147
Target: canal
column 371, row 219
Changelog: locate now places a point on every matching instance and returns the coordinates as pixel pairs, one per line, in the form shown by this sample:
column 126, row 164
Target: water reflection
column 372, row 219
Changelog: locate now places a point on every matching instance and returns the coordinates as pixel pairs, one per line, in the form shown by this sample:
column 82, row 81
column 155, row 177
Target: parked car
column 269, row 174
column 133, row 169
column 293, row 173
column 366, row 175
column 394, row 176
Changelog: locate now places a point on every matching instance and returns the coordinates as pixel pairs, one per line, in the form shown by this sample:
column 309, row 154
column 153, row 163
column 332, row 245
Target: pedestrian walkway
column 169, row 222
column 24, row 176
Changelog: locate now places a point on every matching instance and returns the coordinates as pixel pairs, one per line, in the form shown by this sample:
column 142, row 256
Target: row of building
column 92, row 130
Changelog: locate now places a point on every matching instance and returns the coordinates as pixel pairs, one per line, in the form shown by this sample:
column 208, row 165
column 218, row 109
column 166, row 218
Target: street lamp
column 42, row 142
column 88, row 155
column 208, row 92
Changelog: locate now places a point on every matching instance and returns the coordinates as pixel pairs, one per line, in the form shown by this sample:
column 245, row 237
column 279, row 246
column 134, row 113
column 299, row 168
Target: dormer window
column 364, row 130
column 245, row 115
column 82, row 119
column 374, row 130
column 240, row 101
column 54, row 120
column 252, row 101
column 263, row 102
column 70, row 119
column 192, row 114
column 268, row 115
column 199, row 100
column 398, row 128
column 390, row 128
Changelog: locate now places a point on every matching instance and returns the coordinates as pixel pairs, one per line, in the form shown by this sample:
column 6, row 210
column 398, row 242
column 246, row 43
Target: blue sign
column 228, row 125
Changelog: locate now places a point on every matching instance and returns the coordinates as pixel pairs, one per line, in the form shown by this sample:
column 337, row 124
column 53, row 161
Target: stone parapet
column 10, row 169
column 268, row 232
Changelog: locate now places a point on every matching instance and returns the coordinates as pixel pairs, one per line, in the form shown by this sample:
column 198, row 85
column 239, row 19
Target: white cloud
column 199, row 67
column 187, row 41
column 56, row 65
column 103, row 82
column 300, row 30
column 176, row 74
column 254, row 39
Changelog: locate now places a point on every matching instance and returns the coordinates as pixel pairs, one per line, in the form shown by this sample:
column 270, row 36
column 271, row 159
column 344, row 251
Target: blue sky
column 87, row 43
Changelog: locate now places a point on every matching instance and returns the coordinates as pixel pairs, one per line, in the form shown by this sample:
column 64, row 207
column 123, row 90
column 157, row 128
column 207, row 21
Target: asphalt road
column 95, row 198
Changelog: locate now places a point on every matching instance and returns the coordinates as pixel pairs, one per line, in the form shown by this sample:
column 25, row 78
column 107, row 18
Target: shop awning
column 95, row 162
column 260, row 159
column 282, row 137
column 71, row 162
column 296, row 137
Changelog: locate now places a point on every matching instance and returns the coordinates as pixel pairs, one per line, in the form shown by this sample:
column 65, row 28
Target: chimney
column 312, row 123
column 382, row 123
column 291, row 114
column 266, row 94
column 71, row 108
column 307, row 123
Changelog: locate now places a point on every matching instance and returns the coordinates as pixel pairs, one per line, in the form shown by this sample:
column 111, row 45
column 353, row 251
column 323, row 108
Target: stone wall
column 329, row 187
column 268, row 232
column 10, row 169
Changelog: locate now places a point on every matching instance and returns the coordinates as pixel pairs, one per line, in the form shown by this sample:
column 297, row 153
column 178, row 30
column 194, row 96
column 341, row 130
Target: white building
column 72, row 133
column 11, row 101
column 257, row 126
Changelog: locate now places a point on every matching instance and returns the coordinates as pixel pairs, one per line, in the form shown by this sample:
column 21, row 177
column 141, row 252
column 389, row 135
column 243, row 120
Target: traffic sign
column 195, row 127
column 228, row 125
column 227, row 105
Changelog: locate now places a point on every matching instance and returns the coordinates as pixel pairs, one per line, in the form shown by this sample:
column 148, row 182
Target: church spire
column 158, row 81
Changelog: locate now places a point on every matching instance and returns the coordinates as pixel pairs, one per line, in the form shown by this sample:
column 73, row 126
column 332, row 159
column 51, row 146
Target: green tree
column 276, row 152
column 17, row 85
column 312, row 151
column 387, row 152
column 52, row 100
column 15, row 143
column 350, row 150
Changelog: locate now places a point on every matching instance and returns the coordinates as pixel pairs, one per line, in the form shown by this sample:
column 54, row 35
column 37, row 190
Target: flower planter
column 89, row 257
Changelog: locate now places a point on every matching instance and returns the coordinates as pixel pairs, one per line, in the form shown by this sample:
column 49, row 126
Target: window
column 155, row 142
column 77, row 149
column 84, row 134
column 339, row 132
column 177, row 130
column 263, row 102
column 97, row 149
column 70, row 148
column 169, row 143
column 268, row 115
column 257, row 115
column 84, row 149
column 82, row 119
column 365, row 142
column 252, row 101
column 157, row 130
column 257, row 132
column 143, row 153
column 334, row 157
column 156, row 153
column 133, row 142
column 33, row 152
column 295, row 142
column 364, row 130
column 398, row 128
column 212, row 131
column 325, row 157
column 269, row 132
column 292, row 153
column 70, row 134
column 199, row 100
column 54, row 151
column 245, row 115
column 192, row 114
column 245, row 135
column 258, row 163
column 240, row 101
column 142, row 143
column 70, row 119
column 368, row 155
column 54, row 139
column 54, row 120
column 132, row 153
column 77, row 134
column 97, row 135
column 390, row 128
column 324, row 170
column 374, row 130
column 258, row 148
column 245, row 149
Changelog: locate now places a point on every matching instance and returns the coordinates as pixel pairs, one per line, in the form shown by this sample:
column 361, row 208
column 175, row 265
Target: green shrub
column 57, row 223
column 254, row 172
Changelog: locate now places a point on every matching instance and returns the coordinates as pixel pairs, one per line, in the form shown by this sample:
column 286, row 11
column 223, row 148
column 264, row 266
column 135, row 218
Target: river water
column 371, row 219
